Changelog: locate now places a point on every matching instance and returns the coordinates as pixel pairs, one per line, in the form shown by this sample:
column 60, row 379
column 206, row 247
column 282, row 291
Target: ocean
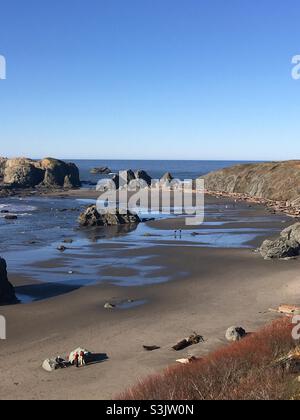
column 181, row 169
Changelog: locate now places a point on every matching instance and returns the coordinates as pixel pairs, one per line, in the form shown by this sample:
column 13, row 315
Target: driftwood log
column 187, row 342
column 151, row 348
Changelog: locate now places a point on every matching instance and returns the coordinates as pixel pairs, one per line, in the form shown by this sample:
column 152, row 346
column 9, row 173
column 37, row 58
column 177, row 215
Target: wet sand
column 209, row 289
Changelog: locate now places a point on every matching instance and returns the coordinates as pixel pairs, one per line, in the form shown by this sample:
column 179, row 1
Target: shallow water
column 29, row 244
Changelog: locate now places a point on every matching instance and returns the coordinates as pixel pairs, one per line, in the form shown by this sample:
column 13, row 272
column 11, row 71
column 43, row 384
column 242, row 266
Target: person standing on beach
column 82, row 359
column 76, row 360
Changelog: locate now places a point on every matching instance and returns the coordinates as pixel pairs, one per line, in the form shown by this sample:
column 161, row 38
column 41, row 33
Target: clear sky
column 150, row 79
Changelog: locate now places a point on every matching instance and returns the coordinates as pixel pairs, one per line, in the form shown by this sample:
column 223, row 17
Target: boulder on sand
column 286, row 246
column 91, row 217
column 235, row 334
column 50, row 365
column 7, row 291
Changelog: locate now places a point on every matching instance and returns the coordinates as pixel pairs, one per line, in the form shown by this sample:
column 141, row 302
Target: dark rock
column 10, row 217
column 101, row 171
column 61, row 248
column 142, row 175
column 7, row 292
column 166, row 178
column 91, row 217
column 123, row 178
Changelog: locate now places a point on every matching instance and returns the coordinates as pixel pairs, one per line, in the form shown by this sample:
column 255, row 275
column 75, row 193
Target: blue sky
column 150, row 79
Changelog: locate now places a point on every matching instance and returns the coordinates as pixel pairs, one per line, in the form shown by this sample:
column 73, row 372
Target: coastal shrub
column 241, row 371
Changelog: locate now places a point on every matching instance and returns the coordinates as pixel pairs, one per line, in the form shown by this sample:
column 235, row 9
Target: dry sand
column 223, row 288
column 211, row 290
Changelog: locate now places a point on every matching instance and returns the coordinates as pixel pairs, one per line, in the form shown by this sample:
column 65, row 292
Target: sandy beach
column 197, row 288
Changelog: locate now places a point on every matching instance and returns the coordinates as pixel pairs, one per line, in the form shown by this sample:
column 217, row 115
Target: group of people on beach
column 79, row 359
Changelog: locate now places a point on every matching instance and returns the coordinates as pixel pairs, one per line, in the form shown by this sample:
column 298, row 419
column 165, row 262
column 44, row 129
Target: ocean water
column 156, row 168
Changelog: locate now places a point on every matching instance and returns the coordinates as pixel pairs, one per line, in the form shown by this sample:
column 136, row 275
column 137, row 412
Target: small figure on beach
column 175, row 234
column 82, row 359
column 76, row 360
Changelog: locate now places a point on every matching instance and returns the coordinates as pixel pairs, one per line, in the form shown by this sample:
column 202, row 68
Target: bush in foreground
column 242, row 371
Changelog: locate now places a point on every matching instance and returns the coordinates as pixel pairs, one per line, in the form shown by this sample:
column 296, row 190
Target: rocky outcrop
column 144, row 176
column 286, row 246
column 101, row 171
column 278, row 181
column 59, row 174
column 48, row 173
column 166, row 178
column 7, row 292
column 91, row 217
column 125, row 177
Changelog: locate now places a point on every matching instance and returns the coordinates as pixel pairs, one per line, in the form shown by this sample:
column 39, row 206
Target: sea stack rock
column 286, row 246
column 101, row 171
column 123, row 178
column 47, row 173
column 7, row 292
column 91, row 218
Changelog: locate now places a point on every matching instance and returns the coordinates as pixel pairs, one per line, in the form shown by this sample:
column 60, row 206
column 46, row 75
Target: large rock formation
column 49, row 173
column 278, row 181
column 125, row 177
column 7, row 292
column 287, row 245
column 91, row 217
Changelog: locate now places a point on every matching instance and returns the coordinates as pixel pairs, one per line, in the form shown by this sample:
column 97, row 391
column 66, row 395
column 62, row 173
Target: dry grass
column 241, row 371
